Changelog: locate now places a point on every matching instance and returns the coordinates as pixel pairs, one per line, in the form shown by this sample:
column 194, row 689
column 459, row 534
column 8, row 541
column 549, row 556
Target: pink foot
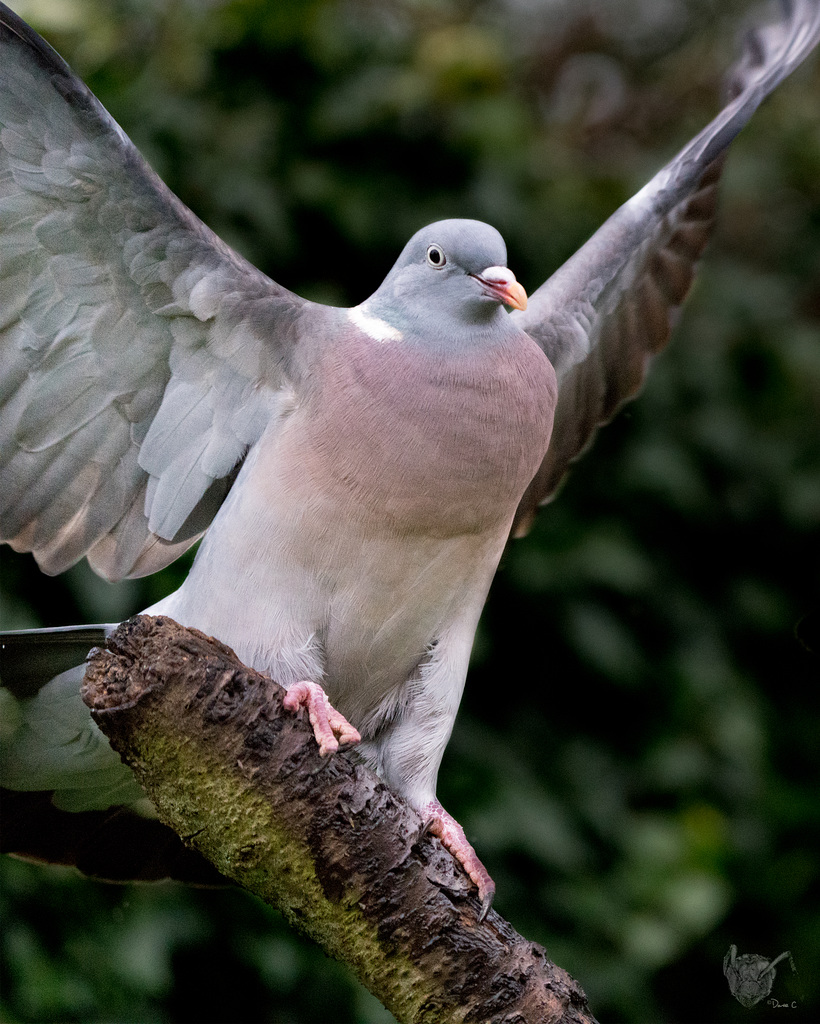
column 451, row 834
column 331, row 729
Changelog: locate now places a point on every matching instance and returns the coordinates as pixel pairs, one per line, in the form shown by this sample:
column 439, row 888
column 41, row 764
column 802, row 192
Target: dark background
column 636, row 758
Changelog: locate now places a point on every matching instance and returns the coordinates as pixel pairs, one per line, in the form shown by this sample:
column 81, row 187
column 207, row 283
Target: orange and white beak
column 502, row 285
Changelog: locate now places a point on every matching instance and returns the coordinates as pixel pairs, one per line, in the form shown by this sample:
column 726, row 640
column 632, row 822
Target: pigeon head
column 450, row 273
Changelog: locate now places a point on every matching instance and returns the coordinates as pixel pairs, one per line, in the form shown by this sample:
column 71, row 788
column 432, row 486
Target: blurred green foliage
column 636, row 758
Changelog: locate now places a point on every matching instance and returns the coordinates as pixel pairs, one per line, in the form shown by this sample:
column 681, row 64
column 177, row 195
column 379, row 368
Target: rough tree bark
column 322, row 839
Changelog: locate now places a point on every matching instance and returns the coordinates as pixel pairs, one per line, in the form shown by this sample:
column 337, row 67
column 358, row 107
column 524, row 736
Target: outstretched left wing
column 603, row 315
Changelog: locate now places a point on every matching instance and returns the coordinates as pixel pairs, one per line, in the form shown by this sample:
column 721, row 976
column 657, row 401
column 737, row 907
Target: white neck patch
column 373, row 327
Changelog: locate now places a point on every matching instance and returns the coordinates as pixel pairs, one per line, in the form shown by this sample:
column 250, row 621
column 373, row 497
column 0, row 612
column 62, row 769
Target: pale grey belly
column 387, row 611
column 306, row 583
column 348, row 606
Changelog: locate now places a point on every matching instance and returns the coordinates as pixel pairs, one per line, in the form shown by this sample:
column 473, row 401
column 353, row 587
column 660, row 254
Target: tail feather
column 116, row 845
column 66, row 796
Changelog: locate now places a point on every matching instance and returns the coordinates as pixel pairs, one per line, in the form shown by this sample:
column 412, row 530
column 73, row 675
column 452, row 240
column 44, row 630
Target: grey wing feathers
column 139, row 355
column 602, row 315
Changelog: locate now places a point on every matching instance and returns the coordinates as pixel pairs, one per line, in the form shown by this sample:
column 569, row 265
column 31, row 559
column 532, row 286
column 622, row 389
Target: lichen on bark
column 322, row 839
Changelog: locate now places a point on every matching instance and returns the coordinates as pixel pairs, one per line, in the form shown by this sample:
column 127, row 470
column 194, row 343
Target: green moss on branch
column 321, row 839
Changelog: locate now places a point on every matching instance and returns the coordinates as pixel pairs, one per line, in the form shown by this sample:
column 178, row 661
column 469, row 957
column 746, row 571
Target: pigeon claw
column 330, row 728
column 443, row 825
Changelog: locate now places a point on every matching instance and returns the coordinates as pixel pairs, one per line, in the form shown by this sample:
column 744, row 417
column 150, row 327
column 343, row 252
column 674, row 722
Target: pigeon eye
column 435, row 257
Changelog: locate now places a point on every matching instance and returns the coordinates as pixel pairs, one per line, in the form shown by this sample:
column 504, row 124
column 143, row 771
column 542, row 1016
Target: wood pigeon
column 356, row 473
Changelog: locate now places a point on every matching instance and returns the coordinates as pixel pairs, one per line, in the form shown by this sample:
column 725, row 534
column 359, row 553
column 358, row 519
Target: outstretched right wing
column 140, row 356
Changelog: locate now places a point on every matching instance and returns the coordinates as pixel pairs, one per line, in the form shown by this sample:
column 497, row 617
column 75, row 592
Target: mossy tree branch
column 321, row 839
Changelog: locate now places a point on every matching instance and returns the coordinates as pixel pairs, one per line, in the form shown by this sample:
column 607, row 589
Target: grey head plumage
column 449, row 279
